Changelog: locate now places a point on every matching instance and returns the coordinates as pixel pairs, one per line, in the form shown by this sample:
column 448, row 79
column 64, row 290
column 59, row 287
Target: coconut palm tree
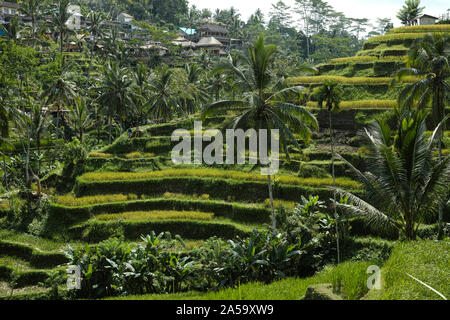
column 60, row 92
column 95, row 30
column 428, row 58
column 406, row 183
column 79, row 118
column 262, row 104
column 39, row 123
column 164, row 99
column 58, row 20
column 195, row 94
column 330, row 93
column 32, row 9
column 117, row 93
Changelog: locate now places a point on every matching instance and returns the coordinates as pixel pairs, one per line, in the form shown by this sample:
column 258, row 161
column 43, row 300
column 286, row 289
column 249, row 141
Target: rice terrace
column 160, row 150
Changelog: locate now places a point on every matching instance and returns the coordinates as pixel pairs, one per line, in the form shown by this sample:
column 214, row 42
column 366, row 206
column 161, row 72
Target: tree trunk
column 274, row 222
column 440, row 235
column 334, row 185
column 5, row 175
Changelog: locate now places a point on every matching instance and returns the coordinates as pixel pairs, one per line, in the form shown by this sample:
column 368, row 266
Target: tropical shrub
column 263, row 256
column 116, row 268
column 405, row 185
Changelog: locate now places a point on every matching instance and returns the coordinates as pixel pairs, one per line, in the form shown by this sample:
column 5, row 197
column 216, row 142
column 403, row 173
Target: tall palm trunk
column 334, row 186
column 439, row 114
column 5, row 174
column 274, row 222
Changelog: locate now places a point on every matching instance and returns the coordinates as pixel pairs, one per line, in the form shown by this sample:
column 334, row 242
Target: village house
column 212, row 45
column 424, row 20
column 8, row 8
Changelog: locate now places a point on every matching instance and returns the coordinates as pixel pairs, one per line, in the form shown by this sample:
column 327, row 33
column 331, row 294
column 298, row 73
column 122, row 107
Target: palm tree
column 330, row 93
column 39, row 123
column 405, row 184
column 31, row 9
column 116, row 93
column 4, row 135
column 262, row 104
column 194, row 92
column 428, row 58
column 141, row 79
column 58, row 20
column 164, row 99
column 61, row 91
column 79, row 117
column 95, row 30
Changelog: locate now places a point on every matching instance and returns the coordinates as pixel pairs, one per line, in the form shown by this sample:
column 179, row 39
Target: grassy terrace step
column 361, row 104
column 214, row 173
column 346, row 80
column 37, row 258
column 25, row 278
column 421, row 29
column 220, row 185
column 95, row 230
column 394, row 38
column 156, row 215
column 233, row 211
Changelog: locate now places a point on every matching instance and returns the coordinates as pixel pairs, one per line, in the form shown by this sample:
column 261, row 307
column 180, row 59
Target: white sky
column 371, row 9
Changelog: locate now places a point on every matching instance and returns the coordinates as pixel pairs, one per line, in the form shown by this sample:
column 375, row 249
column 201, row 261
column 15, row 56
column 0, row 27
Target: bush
column 308, row 171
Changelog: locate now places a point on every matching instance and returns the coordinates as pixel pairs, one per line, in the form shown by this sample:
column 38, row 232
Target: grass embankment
column 421, row 29
column 216, row 173
column 361, row 104
column 156, row 215
column 428, row 261
column 346, row 80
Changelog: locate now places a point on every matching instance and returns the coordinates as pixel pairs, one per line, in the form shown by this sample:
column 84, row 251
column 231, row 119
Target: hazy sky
column 371, row 9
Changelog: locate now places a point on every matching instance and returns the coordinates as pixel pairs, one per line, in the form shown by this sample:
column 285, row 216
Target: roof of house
column 427, row 16
column 9, row 4
column 188, row 31
column 213, row 28
column 209, row 42
column 180, row 41
column 126, row 15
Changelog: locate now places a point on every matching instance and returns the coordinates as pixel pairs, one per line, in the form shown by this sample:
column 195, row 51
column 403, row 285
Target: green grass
column 421, row 29
column 361, row 104
column 215, row 173
column 42, row 244
column 397, row 36
column 345, row 80
column 157, row 215
column 428, row 261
